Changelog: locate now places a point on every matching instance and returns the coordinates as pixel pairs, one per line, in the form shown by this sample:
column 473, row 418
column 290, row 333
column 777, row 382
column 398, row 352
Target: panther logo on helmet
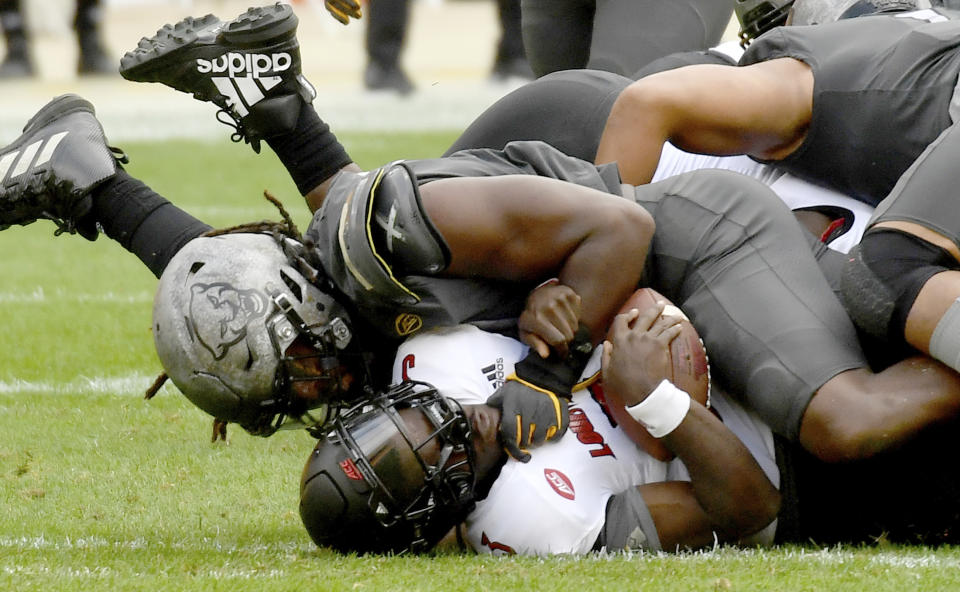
column 298, row 360
column 220, row 313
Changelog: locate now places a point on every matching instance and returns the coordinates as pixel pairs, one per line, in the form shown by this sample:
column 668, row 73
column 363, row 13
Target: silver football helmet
column 226, row 312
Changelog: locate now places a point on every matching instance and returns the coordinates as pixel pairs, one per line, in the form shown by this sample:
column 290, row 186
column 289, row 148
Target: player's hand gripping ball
column 690, row 372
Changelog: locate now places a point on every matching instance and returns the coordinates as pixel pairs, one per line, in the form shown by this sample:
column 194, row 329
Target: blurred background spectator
column 87, row 19
column 387, row 25
column 618, row 36
column 449, row 54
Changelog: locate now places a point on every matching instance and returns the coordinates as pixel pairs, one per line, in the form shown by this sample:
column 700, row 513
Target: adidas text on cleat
column 249, row 67
column 50, row 170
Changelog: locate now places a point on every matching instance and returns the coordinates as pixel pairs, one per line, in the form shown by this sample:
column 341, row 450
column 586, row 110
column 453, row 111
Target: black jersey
column 725, row 250
column 882, row 91
column 400, row 304
column 566, row 109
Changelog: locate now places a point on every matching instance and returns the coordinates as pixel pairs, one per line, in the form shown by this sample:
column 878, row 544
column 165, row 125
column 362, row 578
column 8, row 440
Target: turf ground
column 101, row 490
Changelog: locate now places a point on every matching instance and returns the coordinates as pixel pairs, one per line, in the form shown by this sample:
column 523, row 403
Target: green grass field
column 101, row 490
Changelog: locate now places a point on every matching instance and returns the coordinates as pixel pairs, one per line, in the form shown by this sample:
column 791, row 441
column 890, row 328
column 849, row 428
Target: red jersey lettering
column 409, row 361
column 495, row 546
column 586, row 434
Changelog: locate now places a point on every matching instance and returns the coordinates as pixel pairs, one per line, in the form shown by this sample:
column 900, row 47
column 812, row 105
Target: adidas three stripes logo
column 244, row 92
column 32, row 156
column 245, row 84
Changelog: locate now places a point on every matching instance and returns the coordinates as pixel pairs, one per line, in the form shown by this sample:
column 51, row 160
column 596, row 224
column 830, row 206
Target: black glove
column 342, row 10
column 534, row 400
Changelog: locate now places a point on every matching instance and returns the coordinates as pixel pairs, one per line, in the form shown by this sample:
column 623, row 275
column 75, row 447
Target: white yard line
column 831, row 556
column 132, row 384
column 43, row 543
column 41, row 296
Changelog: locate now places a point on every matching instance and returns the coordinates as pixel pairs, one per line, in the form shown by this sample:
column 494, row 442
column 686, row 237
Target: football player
column 592, row 489
column 613, row 35
column 465, row 238
column 616, row 35
column 394, row 475
column 866, row 106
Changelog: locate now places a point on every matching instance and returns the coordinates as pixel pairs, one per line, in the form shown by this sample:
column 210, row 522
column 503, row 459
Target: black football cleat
column 249, row 67
column 50, row 170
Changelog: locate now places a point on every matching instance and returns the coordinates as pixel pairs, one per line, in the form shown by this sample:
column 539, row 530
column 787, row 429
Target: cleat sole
column 154, row 55
column 260, row 24
column 142, row 64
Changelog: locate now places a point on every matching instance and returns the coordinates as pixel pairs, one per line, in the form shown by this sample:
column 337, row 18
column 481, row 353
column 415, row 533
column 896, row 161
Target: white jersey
column 556, row 503
column 793, row 191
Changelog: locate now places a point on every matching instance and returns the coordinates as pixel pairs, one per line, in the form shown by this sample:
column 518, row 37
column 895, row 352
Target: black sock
column 142, row 221
column 310, row 152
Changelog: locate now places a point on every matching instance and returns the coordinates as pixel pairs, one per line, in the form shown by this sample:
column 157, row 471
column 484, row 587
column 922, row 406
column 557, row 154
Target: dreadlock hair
column 286, row 228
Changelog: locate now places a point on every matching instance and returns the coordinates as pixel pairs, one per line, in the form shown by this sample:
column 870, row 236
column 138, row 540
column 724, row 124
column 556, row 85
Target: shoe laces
column 119, row 155
column 229, row 118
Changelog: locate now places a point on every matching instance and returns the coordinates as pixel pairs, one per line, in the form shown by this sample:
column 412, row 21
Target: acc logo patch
column 350, row 470
column 407, row 323
column 560, row 483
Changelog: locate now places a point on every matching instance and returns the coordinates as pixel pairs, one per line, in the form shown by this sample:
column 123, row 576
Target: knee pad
column 883, row 276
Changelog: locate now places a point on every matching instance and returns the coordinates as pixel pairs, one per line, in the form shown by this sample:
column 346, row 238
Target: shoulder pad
column 372, row 228
column 399, row 226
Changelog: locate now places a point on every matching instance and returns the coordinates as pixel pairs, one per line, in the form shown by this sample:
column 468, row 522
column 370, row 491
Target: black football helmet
column 756, row 17
column 393, row 475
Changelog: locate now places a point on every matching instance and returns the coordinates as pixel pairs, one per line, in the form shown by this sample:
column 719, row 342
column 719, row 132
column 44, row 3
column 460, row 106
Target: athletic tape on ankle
column 663, row 409
column 945, row 341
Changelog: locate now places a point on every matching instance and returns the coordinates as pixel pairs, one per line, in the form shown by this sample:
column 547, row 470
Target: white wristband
column 663, row 409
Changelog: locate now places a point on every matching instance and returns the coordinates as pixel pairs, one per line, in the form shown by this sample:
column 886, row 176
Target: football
column 691, row 372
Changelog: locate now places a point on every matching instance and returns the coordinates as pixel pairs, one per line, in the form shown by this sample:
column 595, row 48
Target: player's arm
column 315, row 196
column 762, row 110
column 728, row 493
column 529, row 228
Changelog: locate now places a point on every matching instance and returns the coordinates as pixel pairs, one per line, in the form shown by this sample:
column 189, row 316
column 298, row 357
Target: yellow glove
column 529, row 417
column 342, row 10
